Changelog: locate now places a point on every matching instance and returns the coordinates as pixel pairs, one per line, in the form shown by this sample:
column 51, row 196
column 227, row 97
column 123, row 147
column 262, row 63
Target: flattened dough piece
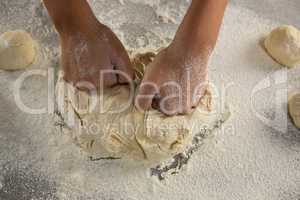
column 17, row 50
column 283, row 44
column 294, row 108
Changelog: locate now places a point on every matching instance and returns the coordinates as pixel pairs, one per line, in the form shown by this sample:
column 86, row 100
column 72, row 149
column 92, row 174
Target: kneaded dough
column 150, row 136
column 294, row 108
column 283, row 44
column 17, row 50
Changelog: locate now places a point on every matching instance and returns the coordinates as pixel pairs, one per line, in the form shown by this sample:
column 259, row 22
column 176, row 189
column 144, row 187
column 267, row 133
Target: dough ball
column 294, row 108
column 17, row 50
column 283, row 44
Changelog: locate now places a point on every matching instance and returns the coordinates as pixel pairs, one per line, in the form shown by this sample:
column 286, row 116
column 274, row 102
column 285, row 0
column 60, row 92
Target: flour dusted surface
column 247, row 160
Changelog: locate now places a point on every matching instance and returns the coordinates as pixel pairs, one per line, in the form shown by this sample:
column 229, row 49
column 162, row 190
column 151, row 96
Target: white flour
column 247, row 160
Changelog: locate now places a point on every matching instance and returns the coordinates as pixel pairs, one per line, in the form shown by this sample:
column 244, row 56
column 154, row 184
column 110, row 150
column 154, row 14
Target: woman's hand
column 174, row 82
column 95, row 56
column 91, row 52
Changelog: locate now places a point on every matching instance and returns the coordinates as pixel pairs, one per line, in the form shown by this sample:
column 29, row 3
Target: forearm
column 70, row 15
column 202, row 22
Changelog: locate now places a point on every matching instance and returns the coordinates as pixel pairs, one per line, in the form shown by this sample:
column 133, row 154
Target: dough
column 17, row 50
column 131, row 134
column 294, row 108
column 283, row 44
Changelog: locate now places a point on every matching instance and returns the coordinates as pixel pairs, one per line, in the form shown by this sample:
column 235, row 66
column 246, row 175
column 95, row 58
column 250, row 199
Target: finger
column 169, row 108
column 170, row 103
column 107, row 78
column 198, row 92
column 196, row 101
column 125, row 73
column 104, row 77
column 186, row 110
column 145, row 96
column 70, row 70
column 155, row 102
column 121, row 61
column 85, row 85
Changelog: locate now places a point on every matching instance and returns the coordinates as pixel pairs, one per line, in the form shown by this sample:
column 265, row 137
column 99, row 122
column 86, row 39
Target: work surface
column 256, row 155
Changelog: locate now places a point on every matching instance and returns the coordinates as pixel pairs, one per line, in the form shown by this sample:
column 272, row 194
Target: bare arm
column 184, row 62
column 70, row 15
column 202, row 22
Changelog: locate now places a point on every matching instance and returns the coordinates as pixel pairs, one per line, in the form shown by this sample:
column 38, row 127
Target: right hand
column 175, row 81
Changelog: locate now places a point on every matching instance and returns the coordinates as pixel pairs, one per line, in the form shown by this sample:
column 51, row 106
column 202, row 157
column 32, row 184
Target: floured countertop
column 256, row 155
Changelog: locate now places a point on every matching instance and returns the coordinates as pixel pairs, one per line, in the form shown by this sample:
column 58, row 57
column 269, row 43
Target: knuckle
column 186, row 110
column 141, row 104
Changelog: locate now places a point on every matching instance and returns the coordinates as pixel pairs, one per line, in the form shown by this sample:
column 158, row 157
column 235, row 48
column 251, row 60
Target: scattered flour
column 248, row 159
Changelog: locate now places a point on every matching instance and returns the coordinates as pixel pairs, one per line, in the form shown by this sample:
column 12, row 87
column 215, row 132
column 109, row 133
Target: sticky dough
column 131, row 134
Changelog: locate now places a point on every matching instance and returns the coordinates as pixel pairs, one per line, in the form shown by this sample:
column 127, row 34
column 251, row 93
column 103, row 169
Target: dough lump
column 283, row 44
column 150, row 136
column 17, row 50
column 294, row 108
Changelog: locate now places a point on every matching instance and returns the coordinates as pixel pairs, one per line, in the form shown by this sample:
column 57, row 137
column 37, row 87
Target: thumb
column 145, row 96
column 122, row 63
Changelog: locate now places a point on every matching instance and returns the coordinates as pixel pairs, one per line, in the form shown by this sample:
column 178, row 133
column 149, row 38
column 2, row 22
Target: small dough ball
column 17, row 50
column 294, row 108
column 283, row 44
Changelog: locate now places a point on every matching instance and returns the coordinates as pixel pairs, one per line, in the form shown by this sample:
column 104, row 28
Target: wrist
column 201, row 25
column 89, row 28
column 193, row 46
column 194, row 55
column 70, row 16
